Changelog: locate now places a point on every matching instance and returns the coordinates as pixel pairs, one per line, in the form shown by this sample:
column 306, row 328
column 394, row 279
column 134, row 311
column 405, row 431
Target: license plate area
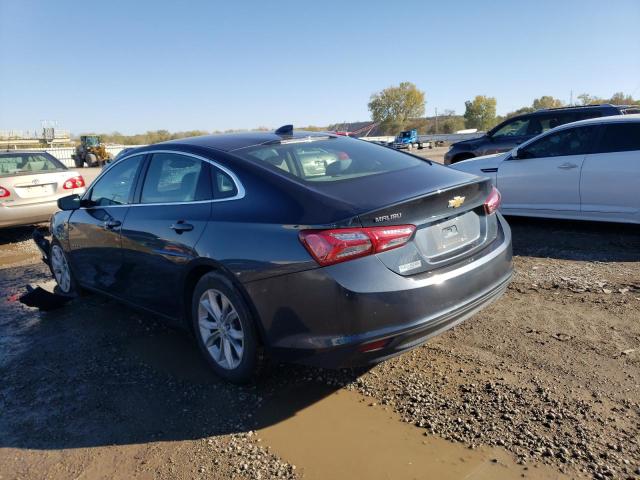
column 450, row 236
column 34, row 191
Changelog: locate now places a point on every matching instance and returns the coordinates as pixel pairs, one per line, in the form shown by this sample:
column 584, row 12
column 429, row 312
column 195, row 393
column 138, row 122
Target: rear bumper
column 329, row 316
column 28, row 214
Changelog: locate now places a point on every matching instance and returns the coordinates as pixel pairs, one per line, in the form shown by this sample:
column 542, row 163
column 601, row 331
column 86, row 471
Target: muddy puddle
column 343, row 436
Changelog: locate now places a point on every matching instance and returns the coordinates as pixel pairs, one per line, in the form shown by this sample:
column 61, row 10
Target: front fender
column 59, row 228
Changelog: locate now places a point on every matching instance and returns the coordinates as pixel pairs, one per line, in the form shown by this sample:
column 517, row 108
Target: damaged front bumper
column 44, row 245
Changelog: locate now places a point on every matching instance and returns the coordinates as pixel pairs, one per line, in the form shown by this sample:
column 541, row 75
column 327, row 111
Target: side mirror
column 514, row 153
column 70, row 202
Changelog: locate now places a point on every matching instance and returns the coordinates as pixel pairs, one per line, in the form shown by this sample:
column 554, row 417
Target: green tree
column 586, row 99
column 394, row 106
column 547, row 101
column 480, row 112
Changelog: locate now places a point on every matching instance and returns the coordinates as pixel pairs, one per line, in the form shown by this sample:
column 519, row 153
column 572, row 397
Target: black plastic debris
column 44, row 300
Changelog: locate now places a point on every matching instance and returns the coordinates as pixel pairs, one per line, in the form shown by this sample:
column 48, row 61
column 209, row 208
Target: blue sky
column 140, row 65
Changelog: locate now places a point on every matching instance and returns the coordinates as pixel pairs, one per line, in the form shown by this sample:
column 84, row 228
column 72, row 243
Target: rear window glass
column 329, row 160
column 26, row 163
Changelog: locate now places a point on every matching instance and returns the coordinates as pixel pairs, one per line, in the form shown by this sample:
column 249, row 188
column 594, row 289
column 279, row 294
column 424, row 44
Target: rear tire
column 225, row 330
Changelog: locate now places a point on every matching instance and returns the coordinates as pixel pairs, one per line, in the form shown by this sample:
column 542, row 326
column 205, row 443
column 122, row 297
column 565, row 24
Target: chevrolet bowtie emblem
column 456, row 202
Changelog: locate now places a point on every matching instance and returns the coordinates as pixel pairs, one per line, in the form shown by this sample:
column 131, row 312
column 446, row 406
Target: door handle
column 111, row 224
column 567, row 166
column 180, row 227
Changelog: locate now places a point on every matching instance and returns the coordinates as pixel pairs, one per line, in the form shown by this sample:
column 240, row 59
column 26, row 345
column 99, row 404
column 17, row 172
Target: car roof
column 632, row 117
column 233, row 141
column 12, row 151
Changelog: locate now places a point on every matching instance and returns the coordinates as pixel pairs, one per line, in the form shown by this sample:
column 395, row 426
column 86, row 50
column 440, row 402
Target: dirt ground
column 545, row 383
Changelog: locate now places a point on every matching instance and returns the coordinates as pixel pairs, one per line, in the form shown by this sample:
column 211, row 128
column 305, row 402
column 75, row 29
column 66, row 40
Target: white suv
column 588, row 170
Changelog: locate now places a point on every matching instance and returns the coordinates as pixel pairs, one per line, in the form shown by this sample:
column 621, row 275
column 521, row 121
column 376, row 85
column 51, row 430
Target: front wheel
column 61, row 271
column 225, row 330
column 92, row 160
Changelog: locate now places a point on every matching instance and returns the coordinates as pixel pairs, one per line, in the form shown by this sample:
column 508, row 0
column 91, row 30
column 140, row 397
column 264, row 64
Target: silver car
column 30, row 185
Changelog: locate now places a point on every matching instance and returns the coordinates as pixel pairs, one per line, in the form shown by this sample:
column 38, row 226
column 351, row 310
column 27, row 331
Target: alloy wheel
column 220, row 329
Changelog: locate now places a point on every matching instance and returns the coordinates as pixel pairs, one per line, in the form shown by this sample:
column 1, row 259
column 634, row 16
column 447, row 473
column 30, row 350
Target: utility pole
column 436, row 120
column 571, row 99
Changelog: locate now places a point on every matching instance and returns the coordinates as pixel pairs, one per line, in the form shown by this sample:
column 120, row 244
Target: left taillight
column 4, row 193
column 73, row 182
column 493, row 201
column 341, row 244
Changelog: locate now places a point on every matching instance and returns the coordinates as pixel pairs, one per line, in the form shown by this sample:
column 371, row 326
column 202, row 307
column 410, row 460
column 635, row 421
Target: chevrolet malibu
column 364, row 256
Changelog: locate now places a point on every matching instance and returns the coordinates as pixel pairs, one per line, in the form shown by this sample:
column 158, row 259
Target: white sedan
column 31, row 183
column 586, row 170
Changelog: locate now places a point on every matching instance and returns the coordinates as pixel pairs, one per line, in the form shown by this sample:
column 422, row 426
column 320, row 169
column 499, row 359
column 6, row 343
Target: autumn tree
column 547, row 101
column 480, row 112
column 394, row 106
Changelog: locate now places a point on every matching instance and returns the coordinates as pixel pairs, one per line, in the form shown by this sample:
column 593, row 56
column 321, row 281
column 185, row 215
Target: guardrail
column 64, row 153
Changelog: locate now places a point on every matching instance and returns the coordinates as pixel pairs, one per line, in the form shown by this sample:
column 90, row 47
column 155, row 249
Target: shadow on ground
column 19, row 234
column 98, row 373
column 574, row 240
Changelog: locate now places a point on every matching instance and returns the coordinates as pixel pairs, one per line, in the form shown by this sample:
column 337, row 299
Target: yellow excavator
column 90, row 152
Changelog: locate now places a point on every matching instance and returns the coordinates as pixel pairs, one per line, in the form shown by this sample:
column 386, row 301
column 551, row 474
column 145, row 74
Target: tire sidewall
column 248, row 367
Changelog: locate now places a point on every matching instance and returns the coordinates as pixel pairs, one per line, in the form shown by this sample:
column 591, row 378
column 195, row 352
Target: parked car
column 230, row 237
column 588, row 170
column 519, row 129
column 30, row 185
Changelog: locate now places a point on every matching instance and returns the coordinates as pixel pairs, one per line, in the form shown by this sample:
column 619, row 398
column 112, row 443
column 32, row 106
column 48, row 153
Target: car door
column 545, row 176
column 162, row 228
column 94, row 229
column 611, row 174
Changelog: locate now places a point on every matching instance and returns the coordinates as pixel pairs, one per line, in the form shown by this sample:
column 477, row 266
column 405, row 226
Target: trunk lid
column 451, row 225
column 37, row 188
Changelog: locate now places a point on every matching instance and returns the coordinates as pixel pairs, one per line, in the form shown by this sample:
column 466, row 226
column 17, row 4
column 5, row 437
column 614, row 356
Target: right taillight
column 492, row 203
column 341, row 244
column 73, row 182
column 4, row 193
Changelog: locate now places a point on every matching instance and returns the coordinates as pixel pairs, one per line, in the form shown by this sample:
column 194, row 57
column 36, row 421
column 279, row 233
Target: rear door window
column 620, row 137
column 176, row 178
column 569, row 141
column 116, row 186
column 223, row 184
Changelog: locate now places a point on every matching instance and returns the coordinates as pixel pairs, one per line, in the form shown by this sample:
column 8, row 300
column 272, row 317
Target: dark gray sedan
column 264, row 251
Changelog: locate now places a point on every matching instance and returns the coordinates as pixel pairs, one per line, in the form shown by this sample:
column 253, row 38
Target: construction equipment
column 91, row 152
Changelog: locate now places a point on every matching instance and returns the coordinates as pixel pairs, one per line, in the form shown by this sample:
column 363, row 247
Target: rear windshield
column 329, row 160
column 27, row 163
